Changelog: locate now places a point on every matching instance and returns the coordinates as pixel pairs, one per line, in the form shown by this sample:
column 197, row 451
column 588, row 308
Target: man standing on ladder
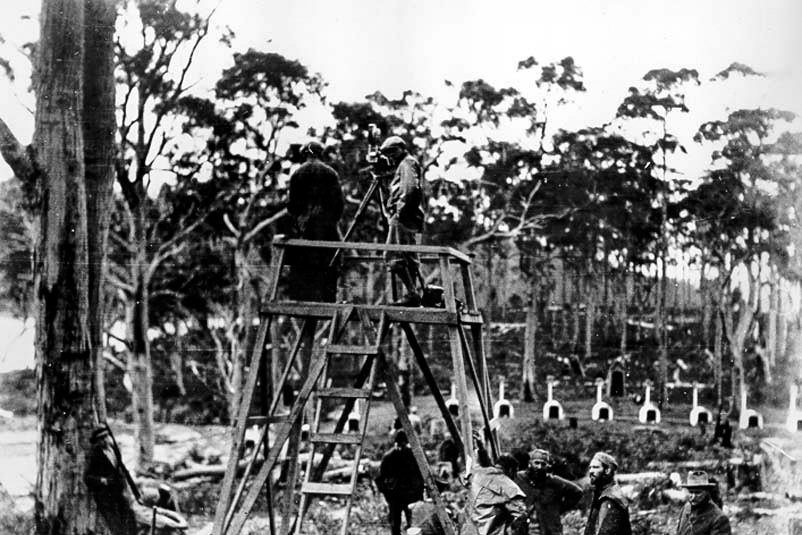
column 316, row 205
column 404, row 208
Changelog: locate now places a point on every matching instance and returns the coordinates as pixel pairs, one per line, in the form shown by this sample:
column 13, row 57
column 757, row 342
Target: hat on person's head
column 698, row 479
column 607, row 460
column 540, row 455
column 313, row 148
column 401, row 438
column 393, row 142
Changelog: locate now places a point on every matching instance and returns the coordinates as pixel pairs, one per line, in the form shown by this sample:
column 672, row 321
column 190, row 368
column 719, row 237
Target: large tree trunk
column 139, row 363
column 590, row 317
column 99, row 124
column 71, row 239
column 771, row 336
column 623, row 314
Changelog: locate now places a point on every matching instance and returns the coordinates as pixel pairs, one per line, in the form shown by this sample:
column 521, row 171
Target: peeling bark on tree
column 69, row 163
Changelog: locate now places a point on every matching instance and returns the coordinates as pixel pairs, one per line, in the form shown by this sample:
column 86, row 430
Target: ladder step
column 336, row 438
column 344, row 392
column 341, row 489
column 262, row 420
column 341, row 349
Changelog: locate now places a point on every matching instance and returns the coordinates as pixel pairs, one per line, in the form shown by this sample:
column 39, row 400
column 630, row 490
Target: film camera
column 380, row 164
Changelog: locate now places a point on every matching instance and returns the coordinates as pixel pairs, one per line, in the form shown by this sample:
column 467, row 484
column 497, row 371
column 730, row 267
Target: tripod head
column 379, row 164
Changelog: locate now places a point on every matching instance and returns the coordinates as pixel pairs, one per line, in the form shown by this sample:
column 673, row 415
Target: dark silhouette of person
column 722, row 431
column 400, row 481
column 315, row 205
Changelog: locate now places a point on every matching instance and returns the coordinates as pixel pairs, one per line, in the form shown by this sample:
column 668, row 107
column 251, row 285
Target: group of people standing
column 505, row 498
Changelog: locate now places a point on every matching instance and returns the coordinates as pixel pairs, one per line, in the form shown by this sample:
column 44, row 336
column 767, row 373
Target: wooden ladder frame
column 459, row 311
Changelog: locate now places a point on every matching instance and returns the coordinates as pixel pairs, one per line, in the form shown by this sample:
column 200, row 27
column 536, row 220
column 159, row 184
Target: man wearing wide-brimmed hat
column 547, row 495
column 701, row 516
column 609, row 509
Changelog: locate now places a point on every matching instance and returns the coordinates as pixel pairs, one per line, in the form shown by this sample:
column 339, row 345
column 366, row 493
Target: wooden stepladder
column 354, row 341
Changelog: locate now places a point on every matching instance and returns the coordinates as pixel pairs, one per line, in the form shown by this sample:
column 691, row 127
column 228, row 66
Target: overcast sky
column 360, row 46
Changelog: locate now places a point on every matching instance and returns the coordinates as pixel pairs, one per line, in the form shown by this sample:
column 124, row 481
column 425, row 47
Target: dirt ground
column 769, row 512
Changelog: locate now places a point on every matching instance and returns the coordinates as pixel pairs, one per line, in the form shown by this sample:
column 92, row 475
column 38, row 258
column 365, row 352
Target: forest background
column 642, row 236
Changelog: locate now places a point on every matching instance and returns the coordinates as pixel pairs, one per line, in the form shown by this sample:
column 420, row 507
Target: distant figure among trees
column 316, row 205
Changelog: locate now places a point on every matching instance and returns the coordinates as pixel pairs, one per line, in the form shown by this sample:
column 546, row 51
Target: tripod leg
column 374, row 186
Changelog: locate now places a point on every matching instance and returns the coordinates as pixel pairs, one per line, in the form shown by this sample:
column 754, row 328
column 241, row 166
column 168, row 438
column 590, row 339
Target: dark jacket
column 399, row 478
column 315, row 204
column 315, row 201
column 706, row 519
column 405, row 198
column 546, row 499
column 609, row 512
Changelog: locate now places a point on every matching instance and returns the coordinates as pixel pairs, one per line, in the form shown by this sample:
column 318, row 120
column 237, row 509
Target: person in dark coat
column 315, row 205
column 400, row 481
column 404, row 208
column 547, row 495
column 609, row 508
column 701, row 515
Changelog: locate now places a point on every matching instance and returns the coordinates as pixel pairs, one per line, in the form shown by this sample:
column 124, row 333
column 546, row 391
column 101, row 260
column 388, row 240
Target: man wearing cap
column 701, row 516
column 496, row 505
column 400, row 481
column 315, row 204
column 609, row 509
column 404, row 207
column 547, row 495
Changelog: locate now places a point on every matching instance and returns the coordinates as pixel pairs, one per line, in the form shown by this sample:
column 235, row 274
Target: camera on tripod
column 379, row 163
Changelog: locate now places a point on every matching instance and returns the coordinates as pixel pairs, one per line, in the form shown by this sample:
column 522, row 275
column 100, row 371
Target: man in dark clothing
column 315, row 204
column 404, row 207
column 400, row 481
column 609, row 509
column 547, row 495
column 701, row 515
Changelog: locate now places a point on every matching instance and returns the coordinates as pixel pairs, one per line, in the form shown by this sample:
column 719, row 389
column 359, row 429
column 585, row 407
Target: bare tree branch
column 263, row 224
column 15, row 154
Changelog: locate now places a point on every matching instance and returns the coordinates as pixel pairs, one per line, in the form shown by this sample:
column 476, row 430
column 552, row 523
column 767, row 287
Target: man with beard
column 701, row 515
column 609, row 510
column 547, row 495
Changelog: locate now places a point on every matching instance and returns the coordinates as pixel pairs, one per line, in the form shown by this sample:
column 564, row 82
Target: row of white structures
column 648, row 413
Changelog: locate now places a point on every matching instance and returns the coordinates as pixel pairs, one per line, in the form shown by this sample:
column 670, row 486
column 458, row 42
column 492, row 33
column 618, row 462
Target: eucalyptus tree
column 737, row 219
column 663, row 94
column 248, row 159
column 69, row 167
column 155, row 50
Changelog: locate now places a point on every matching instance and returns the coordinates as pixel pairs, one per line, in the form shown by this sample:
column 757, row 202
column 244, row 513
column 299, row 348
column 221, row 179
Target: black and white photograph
column 403, row 267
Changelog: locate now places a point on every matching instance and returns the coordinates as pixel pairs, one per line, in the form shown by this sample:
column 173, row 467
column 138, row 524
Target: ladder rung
column 262, row 420
column 336, row 438
column 344, row 392
column 340, row 349
column 341, row 489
